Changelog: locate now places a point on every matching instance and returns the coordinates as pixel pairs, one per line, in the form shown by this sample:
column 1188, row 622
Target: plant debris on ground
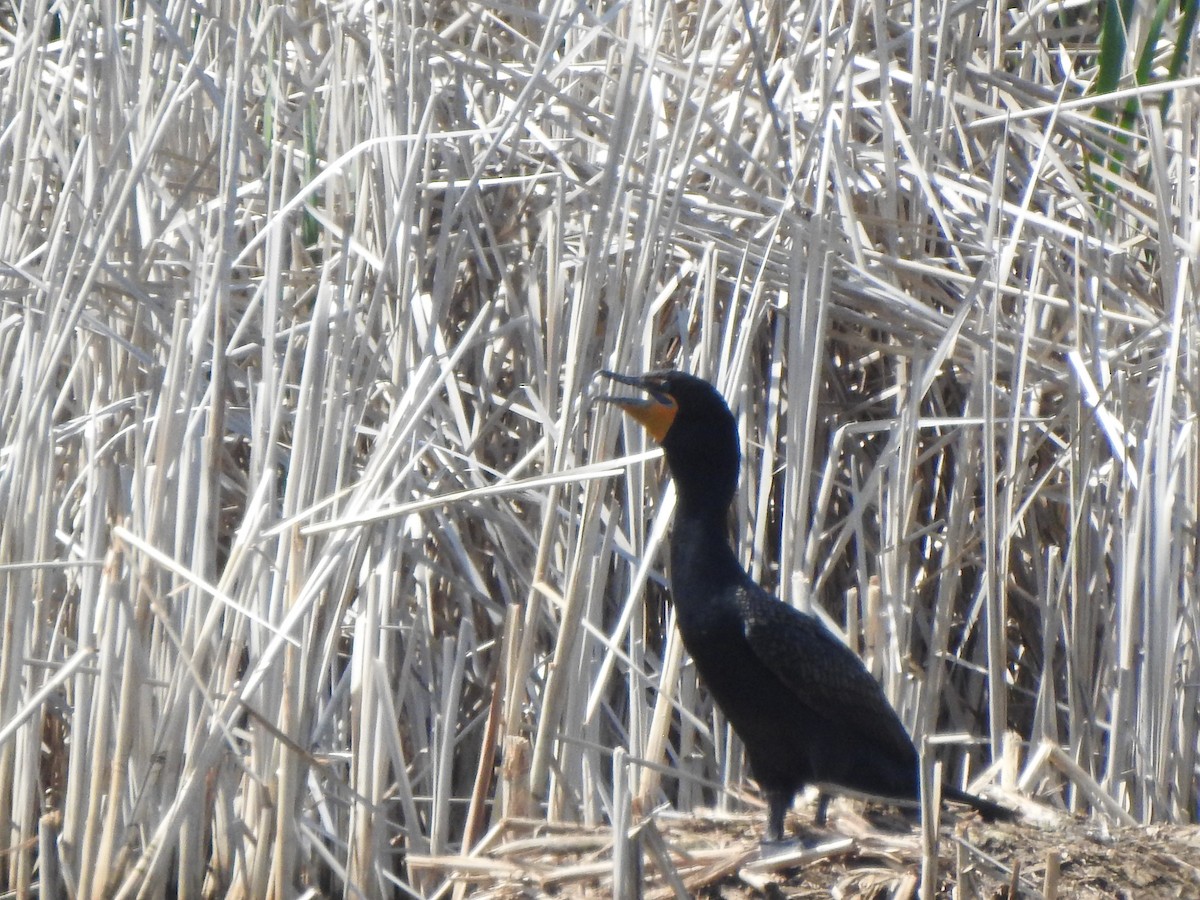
column 856, row 856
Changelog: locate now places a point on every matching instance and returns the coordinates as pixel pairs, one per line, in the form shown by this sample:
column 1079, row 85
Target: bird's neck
column 702, row 560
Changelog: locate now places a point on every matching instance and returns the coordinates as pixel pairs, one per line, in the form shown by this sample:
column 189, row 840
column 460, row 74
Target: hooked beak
column 655, row 413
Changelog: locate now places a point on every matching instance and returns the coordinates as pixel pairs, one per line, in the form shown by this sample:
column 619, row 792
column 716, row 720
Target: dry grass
column 717, row 858
column 308, row 524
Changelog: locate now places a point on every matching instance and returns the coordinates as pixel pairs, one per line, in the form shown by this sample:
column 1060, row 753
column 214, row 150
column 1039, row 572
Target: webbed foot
column 768, row 848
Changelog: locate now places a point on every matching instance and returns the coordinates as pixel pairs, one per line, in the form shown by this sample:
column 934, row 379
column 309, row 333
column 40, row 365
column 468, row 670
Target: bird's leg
column 778, row 803
column 822, row 809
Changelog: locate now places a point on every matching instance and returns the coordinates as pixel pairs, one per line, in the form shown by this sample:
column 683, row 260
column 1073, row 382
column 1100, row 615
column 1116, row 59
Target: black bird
column 805, row 707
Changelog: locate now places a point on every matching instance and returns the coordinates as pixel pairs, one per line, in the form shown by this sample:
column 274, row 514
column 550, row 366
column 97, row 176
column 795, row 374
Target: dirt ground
column 873, row 854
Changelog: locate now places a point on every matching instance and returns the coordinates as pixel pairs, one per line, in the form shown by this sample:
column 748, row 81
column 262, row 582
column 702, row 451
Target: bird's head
column 692, row 422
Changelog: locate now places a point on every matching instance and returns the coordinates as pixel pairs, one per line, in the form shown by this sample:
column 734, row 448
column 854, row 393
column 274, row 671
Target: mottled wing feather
column 825, row 675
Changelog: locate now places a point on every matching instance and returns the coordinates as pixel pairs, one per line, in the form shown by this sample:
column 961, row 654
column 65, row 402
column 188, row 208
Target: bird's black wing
column 823, row 673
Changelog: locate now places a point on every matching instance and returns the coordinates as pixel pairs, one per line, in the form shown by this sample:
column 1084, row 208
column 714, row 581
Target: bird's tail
column 992, row 812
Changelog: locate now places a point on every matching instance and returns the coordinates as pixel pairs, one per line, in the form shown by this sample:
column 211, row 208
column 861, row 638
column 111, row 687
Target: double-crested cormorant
column 805, row 707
